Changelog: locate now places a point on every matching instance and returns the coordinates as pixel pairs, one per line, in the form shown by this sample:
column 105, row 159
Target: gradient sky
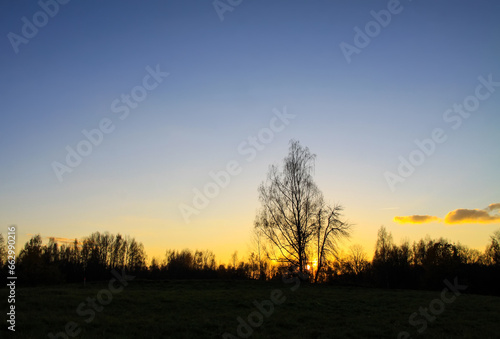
column 225, row 79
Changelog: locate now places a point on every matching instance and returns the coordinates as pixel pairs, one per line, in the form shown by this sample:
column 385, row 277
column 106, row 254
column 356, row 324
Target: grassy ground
column 208, row 309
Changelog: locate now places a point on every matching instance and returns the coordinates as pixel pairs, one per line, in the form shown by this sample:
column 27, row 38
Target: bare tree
column 492, row 252
column 234, row 259
column 257, row 250
column 204, row 260
column 293, row 212
column 208, row 260
column 136, row 258
column 329, row 229
column 117, row 252
column 384, row 246
column 357, row 258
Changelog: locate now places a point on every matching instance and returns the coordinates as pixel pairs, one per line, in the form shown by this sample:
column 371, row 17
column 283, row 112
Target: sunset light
column 178, row 169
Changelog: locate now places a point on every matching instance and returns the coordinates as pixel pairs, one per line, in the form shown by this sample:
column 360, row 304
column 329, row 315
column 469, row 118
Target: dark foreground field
column 208, row 309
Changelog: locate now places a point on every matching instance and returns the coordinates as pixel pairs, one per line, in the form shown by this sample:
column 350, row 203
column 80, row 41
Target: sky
column 160, row 119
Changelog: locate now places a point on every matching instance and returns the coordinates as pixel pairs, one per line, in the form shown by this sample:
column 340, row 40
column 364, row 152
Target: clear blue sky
column 225, row 78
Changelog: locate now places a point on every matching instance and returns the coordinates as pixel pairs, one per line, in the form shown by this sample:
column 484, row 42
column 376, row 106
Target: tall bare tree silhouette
column 294, row 217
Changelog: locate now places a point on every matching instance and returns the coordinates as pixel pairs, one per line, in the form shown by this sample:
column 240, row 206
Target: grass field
column 208, row 309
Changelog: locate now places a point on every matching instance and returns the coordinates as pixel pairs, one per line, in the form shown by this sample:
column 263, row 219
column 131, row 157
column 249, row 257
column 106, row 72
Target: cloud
column 416, row 219
column 475, row 216
column 493, row 207
column 489, row 215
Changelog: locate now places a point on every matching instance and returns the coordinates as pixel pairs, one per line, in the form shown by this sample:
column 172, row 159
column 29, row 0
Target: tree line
column 296, row 233
column 90, row 258
column 423, row 264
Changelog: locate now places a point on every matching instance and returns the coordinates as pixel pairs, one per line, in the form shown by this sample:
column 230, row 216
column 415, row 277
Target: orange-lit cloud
column 458, row 216
column 475, row 216
column 416, row 219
